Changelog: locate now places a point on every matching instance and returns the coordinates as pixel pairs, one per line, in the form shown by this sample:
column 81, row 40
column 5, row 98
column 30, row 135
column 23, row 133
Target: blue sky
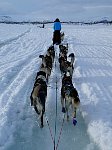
column 64, row 9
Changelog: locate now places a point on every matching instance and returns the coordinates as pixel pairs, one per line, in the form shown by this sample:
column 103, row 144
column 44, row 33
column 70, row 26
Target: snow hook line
column 56, row 107
column 60, row 132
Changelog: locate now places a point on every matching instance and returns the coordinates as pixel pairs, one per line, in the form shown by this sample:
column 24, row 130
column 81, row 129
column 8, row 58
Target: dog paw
column 63, row 110
column 74, row 121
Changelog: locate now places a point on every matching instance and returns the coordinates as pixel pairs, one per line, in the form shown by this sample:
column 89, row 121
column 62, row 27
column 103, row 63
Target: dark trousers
column 56, row 37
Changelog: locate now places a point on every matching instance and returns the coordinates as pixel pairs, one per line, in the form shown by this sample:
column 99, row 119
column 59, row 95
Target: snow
column 20, row 46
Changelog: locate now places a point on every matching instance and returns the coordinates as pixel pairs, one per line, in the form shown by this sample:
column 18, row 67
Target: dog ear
column 41, row 56
column 71, row 55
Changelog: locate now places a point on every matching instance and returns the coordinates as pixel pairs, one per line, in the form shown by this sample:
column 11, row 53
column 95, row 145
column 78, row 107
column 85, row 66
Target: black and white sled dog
column 70, row 64
column 47, row 61
column 39, row 94
column 69, row 97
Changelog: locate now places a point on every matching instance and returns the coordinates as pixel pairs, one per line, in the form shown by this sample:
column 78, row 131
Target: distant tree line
column 25, row 22
column 66, row 22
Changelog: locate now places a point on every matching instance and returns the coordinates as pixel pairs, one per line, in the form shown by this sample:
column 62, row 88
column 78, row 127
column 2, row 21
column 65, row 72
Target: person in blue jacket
column 57, row 29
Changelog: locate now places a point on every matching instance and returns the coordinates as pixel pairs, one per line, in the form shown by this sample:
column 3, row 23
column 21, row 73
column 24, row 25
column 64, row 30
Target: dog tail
column 72, row 58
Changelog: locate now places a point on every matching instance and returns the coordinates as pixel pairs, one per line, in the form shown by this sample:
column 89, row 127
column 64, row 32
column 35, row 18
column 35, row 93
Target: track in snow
column 19, row 70
column 28, row 134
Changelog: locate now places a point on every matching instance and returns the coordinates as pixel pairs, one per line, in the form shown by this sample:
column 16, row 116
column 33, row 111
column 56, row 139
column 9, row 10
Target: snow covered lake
column 20, row 46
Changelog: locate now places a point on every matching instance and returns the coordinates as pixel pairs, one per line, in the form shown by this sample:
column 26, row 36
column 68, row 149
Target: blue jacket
column 57, row 26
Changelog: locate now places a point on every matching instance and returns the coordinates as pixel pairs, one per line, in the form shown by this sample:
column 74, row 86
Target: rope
column 56, row 110
column 60, row 133
column 49, row 128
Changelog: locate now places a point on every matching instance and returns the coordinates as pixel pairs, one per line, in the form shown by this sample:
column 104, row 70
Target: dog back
column 41, row 73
